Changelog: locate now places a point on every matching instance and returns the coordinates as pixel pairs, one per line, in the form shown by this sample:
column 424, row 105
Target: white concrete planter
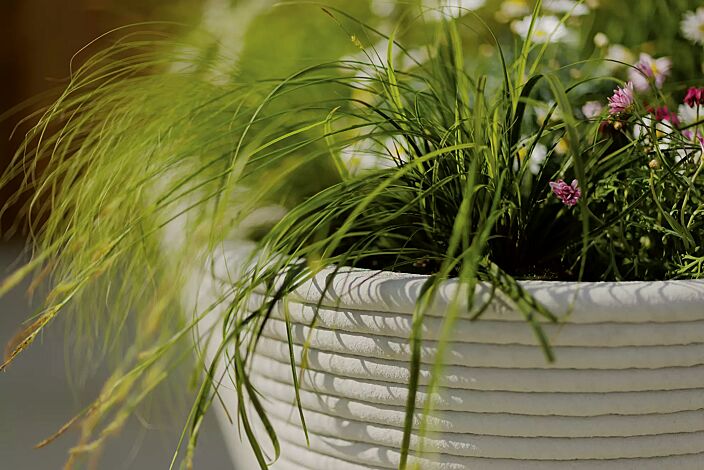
column 626, row 391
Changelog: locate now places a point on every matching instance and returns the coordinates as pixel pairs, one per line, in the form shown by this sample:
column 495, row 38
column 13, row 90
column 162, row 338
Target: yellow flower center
column 522, row 153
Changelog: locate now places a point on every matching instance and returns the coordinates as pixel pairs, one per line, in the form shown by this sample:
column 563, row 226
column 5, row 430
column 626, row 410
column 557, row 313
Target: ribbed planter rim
column 583, row 302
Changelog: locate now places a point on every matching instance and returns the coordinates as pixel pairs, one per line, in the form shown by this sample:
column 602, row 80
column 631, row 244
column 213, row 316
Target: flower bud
column 601, row 40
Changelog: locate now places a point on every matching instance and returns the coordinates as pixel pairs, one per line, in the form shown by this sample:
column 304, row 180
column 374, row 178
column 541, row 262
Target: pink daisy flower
column 622, row 99
column 649, row 70
column 569, row 194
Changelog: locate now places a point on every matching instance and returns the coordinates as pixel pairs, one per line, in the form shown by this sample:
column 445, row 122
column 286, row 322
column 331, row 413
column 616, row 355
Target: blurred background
column 38, row 39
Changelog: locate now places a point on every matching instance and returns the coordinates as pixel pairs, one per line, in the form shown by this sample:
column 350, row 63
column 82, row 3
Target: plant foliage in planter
column 466, row 186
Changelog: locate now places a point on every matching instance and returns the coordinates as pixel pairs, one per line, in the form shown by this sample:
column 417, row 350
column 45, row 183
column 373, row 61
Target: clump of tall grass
column 460, row 194
column 134, row 173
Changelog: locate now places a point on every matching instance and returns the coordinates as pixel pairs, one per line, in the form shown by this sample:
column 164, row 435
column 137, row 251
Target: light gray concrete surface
column 37, row 397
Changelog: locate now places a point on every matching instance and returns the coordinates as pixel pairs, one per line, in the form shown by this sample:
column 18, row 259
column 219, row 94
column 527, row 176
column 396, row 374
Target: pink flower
column 689, row 135
column 694, row 97
column 649, row 70
column 622, row 99
column 568, row 194
column 664, row 114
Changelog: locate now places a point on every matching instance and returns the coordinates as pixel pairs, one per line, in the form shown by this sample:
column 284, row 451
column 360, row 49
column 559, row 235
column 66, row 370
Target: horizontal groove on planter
column 492, row 355
column 490, row 378
column 318, row 461
column 516, row 449
column 314, row 460
column 291, row 465
column 488, row 424
column 608, row 334
column 524, row 403
column 490, row 446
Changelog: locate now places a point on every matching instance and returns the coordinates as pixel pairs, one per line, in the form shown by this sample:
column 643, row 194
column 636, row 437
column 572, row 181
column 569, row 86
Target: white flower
column 439, row 9
column 592, row 109
column 641, row 129
column 690, row 115
column 617, row 55
column 663, row 133
column 663, row 130
column 511, row 9
column 545, row 29
column 693, row 26
column 535, row 160
column 601, row 40
column 694, row 154
column 694, row 148
column 572, row 7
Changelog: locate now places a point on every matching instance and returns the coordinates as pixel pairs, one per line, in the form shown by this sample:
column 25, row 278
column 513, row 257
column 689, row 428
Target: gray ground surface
column 36, row 398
